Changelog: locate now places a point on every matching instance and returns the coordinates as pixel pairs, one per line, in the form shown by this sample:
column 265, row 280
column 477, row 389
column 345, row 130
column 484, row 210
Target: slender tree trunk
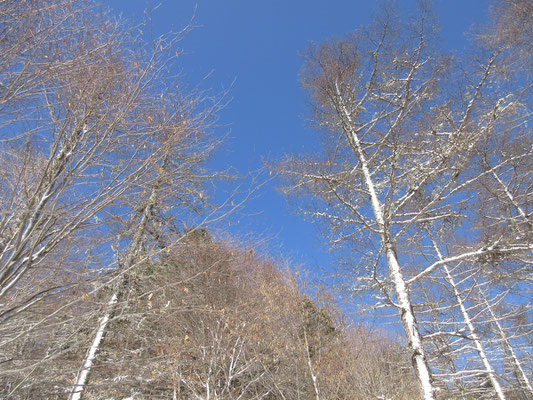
column 470, row 325
column 401, row 290
column 521, row 375
column 91, row 354
column 508, row 348
column 310, row 366
column 85, row 370
column 509, row 195
column 440, row 343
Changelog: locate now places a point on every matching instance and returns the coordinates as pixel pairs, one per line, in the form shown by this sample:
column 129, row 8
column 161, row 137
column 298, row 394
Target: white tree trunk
column 410, row 325
column 520, row 372
column 85, row 370
column 470, row 325
column 311, row 369
column 81, row 380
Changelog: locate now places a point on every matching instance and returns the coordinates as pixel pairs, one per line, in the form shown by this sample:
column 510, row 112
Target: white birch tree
column 401, row 172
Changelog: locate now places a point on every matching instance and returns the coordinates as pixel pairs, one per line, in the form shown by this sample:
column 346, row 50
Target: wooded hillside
column 209, row 320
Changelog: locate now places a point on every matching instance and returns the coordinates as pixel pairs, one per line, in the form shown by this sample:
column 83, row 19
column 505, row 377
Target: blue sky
column 256, row 45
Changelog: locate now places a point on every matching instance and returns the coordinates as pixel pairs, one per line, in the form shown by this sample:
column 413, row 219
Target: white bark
column 521, row 374
column 81, row 379
column 509, row 195
column 472, row 329
column 400, row 286
column 85, row 370
column 310, row 366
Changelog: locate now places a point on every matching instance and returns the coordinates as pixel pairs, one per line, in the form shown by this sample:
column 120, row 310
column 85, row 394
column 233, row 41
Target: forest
column 120, row 277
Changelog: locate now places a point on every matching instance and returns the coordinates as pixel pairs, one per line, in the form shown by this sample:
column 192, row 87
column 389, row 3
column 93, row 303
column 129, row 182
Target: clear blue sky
column 256, row 44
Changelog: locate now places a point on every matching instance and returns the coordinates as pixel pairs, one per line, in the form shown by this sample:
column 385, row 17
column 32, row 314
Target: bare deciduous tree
column 98, row 150
column 410, row 144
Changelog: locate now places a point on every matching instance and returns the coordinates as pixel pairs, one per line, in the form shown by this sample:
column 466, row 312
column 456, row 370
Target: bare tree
column 98, row 150
column 400, row 175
